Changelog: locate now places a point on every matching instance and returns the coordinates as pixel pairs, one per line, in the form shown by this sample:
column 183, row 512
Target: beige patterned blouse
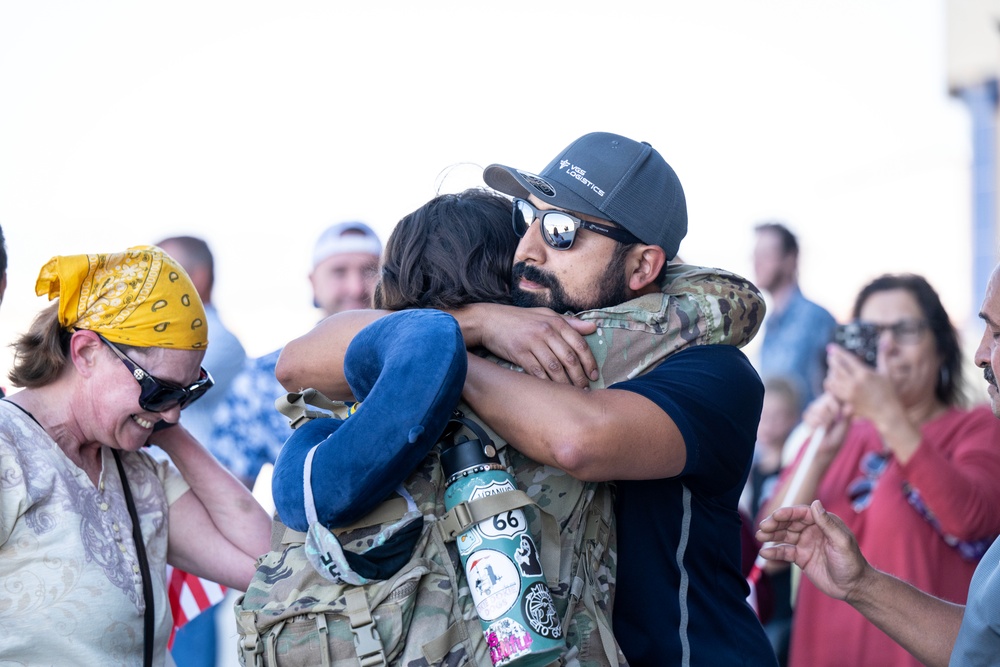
column 70, row 587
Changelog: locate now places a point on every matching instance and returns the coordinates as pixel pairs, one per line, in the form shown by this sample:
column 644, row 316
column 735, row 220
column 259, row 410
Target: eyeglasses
column 160, row 395
column 559, row 228
column 872, row 465
column 905, row 332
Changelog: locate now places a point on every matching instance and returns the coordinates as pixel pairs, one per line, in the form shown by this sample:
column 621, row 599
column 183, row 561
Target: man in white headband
column 345, row 267
column 248, row 431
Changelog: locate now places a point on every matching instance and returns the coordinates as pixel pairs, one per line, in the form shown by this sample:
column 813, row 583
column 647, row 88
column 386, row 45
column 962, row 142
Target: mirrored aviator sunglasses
column 157, row 395
column 559, row 228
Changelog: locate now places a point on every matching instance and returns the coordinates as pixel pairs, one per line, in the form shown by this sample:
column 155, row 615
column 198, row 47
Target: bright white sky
column 256, row 124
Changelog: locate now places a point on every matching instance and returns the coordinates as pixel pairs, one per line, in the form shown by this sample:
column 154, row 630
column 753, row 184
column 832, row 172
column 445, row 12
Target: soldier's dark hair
column 454, row 250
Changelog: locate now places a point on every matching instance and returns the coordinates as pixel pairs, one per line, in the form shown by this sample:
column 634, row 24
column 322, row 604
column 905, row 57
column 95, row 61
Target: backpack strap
column 390, row 511
column 271, row 646
column 603, row 628
column 437, row 649
column 278, row 532
column 292, row 536
column 250, row 647
column 366, row 637
column 296, row 406
column 466, row 514
column 596, row 535
column 324, row 644
column 599, row 517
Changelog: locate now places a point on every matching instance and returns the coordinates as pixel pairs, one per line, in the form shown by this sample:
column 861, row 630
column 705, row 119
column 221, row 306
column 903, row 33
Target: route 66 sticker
column 506, row 524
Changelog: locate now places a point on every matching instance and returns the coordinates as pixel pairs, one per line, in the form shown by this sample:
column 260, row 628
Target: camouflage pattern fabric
column 424, row 615
column 290, row 613
column 697, row 306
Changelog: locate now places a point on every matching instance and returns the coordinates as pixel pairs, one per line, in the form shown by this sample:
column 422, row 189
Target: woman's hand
column 835, row 417
column 866, row 392
column 871, row 395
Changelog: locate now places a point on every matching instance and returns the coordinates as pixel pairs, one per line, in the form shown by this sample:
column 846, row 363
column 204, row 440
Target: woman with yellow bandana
column 104, row 371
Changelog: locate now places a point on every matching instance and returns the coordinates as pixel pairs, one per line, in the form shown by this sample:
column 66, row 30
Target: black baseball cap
column 611, row 177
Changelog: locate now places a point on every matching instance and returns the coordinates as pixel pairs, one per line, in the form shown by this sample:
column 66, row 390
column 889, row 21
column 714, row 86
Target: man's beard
column 611, row 289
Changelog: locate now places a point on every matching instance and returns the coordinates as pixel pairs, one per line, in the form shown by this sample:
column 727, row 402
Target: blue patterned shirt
column 247, row 430
column 794, row 345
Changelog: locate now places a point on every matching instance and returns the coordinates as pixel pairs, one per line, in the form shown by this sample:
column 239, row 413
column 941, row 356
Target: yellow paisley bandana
column 139, row 297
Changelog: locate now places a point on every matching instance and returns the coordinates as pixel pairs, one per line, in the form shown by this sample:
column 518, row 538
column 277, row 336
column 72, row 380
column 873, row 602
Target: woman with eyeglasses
column 88, row 518
column 911, row 471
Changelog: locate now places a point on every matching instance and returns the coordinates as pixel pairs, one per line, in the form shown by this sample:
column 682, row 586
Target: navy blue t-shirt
column 681, row 596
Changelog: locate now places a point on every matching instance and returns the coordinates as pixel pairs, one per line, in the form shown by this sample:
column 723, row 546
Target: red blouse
column 956, row 471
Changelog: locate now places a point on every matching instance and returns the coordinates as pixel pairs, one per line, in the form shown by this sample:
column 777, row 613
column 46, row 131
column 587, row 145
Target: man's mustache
column 990, row 377
column 532, row 273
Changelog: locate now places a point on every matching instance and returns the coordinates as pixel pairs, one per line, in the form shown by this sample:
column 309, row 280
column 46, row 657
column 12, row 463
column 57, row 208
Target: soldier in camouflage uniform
column 696, row 306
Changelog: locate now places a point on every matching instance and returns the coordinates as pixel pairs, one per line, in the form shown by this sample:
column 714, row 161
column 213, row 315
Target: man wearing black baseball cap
column 677, row 440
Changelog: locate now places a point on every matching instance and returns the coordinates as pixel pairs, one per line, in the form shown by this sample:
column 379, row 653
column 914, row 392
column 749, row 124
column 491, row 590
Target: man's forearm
column 472, row 320
column 316, row 359
column 493, row 393
column 924, row 625
column 598, row 435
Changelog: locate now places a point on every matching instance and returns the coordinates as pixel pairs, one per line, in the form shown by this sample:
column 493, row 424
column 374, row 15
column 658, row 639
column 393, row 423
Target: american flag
column 189, row 596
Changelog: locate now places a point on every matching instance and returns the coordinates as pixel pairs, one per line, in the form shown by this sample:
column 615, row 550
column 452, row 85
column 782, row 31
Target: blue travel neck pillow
column 407, row 369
